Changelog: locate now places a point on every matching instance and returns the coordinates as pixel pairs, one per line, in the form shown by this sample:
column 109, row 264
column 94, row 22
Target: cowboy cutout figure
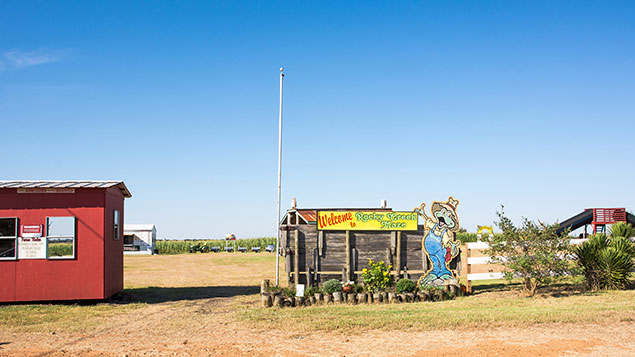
column 438, row 242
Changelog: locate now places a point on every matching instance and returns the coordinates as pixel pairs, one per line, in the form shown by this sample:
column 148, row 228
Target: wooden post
column 362, row 298
column 309, row 277
column 354, row 257
column 393, row 242
column 398, row 255
column 277, row 301
column 391, row 298
column 321, row 243
column 287, row 267
column 316, row 268
column 266, row 300
column 348, row 256
column 296, row 258
column 466, row 267
column 264, row 286
column 337, row 297
column 350, row 298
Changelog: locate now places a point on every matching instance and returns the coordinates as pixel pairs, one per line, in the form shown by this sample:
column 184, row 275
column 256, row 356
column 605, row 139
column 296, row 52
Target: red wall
column 113, row 250
column 95, row 272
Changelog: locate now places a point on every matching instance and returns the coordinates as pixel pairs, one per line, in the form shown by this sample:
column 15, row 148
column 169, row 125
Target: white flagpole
column 279, row 177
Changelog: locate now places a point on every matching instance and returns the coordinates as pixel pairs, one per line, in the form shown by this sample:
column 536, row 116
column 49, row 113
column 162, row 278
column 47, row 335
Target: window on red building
column 8, row 238
column 60, row 237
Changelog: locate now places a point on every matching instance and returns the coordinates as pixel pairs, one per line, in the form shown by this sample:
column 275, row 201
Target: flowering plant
column 377, row 276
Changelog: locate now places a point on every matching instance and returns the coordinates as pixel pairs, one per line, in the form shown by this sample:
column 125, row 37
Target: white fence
column 479, row 266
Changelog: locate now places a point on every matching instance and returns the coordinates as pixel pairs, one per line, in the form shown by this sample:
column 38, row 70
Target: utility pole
column 279, row 179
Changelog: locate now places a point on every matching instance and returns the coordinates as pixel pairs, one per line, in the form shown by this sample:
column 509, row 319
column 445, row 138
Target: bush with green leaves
column 377, row 276
column 332, row 286
column 606, row 262
column 622, row 229
column 287, row 292
column 533, row 252
column 405, row 286
column 312, row 290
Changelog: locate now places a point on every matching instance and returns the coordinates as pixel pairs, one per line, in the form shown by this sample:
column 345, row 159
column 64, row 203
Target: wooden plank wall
column 323, row 255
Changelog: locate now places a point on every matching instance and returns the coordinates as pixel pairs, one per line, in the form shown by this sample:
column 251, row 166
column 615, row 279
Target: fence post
column 466, row 267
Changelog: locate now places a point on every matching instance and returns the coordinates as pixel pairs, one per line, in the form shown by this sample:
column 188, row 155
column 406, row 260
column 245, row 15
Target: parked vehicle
column 270, row 248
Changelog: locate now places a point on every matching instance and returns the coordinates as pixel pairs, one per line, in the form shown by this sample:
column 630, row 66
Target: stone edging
column 275, row 299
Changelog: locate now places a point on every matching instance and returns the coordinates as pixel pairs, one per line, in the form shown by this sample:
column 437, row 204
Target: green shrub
column 533, row 252
column 312, row 290
column 606, row 263
column 288, row 292
column 377, row 276
column 405, row 286
column 331, row 286
column 622, row 229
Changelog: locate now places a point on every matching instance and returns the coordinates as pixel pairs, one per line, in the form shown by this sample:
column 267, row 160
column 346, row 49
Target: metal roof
column 308, row 215
column 137, row 227
column 66, row 184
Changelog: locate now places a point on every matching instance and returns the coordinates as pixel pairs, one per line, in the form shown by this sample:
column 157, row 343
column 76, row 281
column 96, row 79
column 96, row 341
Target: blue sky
column 526, row 104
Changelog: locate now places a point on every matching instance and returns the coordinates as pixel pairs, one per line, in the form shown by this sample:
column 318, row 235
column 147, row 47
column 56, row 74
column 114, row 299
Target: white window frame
column 15, row 239
column 74, row 237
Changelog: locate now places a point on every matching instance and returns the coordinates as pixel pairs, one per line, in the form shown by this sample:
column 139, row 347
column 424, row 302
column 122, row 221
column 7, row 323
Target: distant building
column 139, row 239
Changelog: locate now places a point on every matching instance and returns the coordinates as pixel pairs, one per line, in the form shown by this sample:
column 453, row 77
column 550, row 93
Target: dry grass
column 174, row 279
column 485, row 310
column 199, row 270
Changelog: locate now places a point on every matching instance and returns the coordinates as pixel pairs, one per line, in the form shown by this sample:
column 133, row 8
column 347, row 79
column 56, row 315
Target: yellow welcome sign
column 366, row 221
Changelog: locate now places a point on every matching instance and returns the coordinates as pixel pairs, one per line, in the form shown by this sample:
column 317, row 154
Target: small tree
column 377, row 276
column 534, row 252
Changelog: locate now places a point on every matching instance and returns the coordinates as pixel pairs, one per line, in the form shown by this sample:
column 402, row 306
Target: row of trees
column 538, row 255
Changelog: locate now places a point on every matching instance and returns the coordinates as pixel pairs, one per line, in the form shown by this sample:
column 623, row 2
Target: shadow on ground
column 155, row 295
column 554, row 290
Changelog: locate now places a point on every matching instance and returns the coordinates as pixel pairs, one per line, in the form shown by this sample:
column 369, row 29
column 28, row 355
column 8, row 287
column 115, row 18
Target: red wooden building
column 61, row 240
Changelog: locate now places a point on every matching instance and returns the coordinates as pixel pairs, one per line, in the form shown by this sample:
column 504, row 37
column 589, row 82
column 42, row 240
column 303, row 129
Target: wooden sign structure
column 316, row 252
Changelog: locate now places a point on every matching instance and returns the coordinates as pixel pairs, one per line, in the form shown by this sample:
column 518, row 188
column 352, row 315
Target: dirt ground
column 206, row 326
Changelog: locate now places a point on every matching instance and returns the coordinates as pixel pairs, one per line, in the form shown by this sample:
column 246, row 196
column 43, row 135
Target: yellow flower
column 385, row 273
column 364, row 270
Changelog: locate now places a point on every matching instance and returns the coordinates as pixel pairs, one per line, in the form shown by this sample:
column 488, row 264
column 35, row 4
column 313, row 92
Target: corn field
column 183, row 246
column 465, row 237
